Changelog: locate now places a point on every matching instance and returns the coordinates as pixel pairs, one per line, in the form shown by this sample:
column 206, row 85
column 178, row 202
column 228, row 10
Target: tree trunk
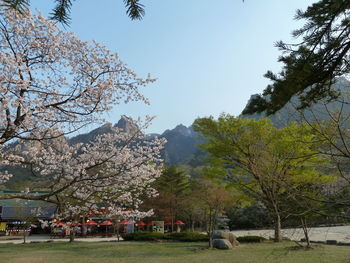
column 210, row 235
column 210, row 239
column 210, row 230
column 117, row 225
column 278, row 236
column 306, row 231
column 172, row 223
column 24, row 236
column 72, row 235
column 83, row 228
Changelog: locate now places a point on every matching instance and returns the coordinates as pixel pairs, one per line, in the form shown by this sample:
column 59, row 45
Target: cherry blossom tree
column 53, row 84
column 50, row 79
column 115, row 170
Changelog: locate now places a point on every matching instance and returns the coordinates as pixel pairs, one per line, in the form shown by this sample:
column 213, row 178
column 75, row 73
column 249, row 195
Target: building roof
column 26, row 213
column 21, row 209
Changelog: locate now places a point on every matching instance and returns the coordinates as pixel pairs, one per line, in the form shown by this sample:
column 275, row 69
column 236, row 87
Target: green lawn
column 145, row 252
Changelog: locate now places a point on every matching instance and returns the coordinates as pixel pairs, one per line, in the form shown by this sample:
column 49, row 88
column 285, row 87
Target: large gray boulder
column 226, row 235
column 222, row 244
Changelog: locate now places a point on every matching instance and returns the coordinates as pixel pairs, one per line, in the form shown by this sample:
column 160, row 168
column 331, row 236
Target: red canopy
column 90, row 223
column 179, row 222
column 59, row 223
column 149, row 224
column 106, row 223
column 141, row 223
column 76, row 224
column 125, row 222
column 167, row 223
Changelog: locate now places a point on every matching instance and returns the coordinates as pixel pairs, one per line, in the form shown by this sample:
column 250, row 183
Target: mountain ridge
column 180, row 146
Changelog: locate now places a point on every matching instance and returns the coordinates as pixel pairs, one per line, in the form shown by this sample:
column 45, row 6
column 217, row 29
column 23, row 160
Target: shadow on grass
column 304, row 248
column 123, row 249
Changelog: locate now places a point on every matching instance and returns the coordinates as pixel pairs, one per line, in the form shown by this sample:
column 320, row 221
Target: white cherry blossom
column 52, row 84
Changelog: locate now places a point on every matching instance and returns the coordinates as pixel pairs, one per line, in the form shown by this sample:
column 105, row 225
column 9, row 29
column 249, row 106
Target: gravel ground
column 339, row 233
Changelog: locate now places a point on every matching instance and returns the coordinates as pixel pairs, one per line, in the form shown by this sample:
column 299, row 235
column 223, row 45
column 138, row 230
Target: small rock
column 222, row 244
column 226, row 235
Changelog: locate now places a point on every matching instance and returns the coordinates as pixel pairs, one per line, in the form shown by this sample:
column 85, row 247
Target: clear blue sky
column 208, row 56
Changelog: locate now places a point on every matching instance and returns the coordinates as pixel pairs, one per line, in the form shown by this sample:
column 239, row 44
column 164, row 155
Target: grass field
column 147, row 252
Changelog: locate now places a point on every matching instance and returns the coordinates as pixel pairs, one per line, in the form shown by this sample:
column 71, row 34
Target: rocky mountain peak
column 126, row 124
column 183, row 130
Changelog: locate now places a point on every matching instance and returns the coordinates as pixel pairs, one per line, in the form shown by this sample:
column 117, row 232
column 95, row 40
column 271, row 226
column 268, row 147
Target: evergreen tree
column 173, row 181
column 311, row 66
column 172, row 186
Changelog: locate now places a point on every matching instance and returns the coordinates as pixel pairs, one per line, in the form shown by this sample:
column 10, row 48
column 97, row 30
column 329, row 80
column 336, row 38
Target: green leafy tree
column 212, row 198
column 267, row 163
column 311, row 66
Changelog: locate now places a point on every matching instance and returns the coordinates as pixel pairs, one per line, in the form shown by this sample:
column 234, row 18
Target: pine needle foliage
column 62, row 9
column 311, row 66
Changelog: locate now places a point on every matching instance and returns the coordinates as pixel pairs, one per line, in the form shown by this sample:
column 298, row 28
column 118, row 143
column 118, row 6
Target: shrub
column 250, row 239
column 153, row 236
column 187, row 237
column 143, row 236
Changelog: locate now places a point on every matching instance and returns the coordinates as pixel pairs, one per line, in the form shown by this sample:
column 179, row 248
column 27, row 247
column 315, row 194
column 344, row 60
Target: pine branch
column 19, row 5
column 61, row 11
column 134, row 9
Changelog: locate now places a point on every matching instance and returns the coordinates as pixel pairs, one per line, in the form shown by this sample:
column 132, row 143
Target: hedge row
column 183, row 236
column 152, row 236
column 187, row 236
column 250, row 239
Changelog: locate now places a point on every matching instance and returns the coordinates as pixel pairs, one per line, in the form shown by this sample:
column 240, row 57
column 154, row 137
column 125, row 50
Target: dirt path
column 45, row 238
